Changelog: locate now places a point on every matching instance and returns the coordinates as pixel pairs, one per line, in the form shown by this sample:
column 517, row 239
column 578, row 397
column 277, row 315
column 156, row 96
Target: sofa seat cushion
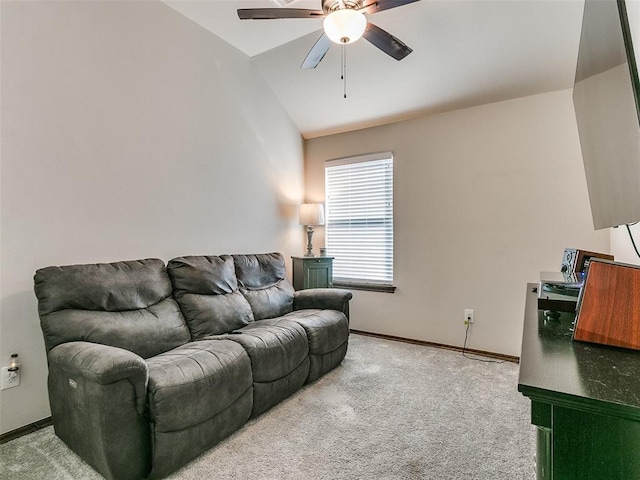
column 194, row 382
column 328, row 335
column 276, row 347
column 279, row 353
column 326, row 329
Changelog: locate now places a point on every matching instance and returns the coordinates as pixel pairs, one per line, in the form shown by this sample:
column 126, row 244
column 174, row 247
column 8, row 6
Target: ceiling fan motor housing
column 329, row 6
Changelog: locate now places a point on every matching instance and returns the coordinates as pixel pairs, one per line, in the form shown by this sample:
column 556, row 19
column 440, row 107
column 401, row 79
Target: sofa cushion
column 207, row 291
column 269, row 394
column 276, row 347
column 123, row 304
column 195, row 382
column 173, row 449
column 270, row 302
column 328, row 335
column 263, row 282
column 326, row 329
column 108, row 287
column 145, row 332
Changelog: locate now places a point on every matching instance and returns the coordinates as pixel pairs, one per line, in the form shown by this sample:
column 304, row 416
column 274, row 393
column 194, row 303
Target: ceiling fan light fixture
column 345, row 25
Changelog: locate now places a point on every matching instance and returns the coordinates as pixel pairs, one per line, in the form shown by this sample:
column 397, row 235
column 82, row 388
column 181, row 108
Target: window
column 359, row 223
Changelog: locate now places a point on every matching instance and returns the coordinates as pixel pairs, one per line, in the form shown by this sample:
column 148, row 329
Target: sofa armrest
column 103, row 365
column 323, row 298
column 98, row 404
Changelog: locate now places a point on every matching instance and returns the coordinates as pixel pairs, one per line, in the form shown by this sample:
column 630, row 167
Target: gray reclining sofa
column 150, row 365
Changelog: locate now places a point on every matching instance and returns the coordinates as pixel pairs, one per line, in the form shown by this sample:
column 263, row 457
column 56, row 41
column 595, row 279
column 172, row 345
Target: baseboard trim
column 27, row 429
column 482, row 353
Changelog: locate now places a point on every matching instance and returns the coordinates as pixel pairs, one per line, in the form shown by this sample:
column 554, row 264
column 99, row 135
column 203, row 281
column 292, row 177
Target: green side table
column 312, row 272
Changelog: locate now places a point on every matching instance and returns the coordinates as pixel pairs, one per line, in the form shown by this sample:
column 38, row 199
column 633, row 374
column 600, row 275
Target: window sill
column 371, row 287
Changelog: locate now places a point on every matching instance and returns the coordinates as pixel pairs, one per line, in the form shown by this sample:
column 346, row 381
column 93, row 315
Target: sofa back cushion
column 122, row 304
column 263, row 282
column 206, row 289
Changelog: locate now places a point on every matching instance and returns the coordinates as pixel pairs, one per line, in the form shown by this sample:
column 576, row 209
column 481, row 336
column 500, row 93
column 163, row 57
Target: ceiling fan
column 344, row 23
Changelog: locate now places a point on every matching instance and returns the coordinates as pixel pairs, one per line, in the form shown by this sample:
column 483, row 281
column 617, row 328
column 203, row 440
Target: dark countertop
column 555, row 369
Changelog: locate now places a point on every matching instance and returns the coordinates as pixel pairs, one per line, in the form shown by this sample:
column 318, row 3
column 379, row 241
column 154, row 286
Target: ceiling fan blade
column 317, row 52
column 276, row 13
column 283, row 3
column 380, row 5
column 386, row 42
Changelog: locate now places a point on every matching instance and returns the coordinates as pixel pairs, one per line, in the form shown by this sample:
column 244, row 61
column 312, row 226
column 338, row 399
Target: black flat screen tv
column 606, row 98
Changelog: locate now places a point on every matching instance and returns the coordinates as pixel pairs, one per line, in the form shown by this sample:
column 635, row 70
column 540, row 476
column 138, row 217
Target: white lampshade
column 345, row 25
column 311, row 214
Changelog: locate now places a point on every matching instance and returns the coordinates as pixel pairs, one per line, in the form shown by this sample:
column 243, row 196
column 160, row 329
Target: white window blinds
column 359, row 224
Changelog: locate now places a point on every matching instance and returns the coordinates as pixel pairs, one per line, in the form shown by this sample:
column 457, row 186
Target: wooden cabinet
column 585, row 400
column 312, row 272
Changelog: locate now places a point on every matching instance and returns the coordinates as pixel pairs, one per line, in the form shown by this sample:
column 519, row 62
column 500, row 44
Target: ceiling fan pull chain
column 344, row 70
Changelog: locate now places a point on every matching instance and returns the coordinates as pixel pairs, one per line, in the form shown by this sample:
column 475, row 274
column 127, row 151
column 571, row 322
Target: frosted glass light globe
column 345, row 26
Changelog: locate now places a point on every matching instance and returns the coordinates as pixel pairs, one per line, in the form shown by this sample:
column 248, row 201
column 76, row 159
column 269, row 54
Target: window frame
column 355, row 283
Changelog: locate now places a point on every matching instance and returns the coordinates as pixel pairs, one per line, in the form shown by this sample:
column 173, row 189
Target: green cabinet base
column 585, row 400
column 312, row 272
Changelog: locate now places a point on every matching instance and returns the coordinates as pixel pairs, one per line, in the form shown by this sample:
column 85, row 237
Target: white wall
column 485, row 199
column 128, row 132
column 621, row 246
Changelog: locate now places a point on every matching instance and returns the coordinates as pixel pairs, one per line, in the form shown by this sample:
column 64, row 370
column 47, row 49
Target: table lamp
column 311, row 214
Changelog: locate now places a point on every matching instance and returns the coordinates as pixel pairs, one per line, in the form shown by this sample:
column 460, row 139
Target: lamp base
column 309, row 245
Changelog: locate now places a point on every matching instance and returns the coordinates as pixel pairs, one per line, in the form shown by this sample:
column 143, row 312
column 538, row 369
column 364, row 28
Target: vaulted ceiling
column 465, row 53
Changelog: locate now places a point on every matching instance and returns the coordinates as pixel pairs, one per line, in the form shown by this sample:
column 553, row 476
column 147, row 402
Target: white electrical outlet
column 9, row 379
column 468, row 316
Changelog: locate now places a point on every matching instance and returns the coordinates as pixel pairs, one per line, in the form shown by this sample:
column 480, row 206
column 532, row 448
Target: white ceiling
column 465, row 53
